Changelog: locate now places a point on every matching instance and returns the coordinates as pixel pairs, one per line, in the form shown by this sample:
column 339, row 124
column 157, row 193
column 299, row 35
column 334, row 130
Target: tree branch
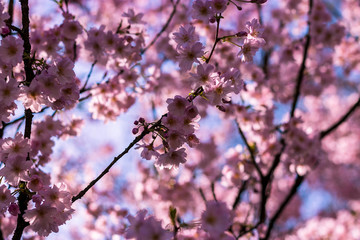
column 326, row 132
column 23, row 200
column 106, row 170
column 298, row 181
column 238, row 196
column 23, row 197
column 302, row 67
column 162, row 29
column 217, row 39
column 88, row 76
column 252, row 156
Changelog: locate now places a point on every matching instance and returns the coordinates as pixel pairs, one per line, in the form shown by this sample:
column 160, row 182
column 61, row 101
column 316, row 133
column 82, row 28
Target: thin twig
column 276, row 159
column 202, row 195
column 252, row 156
column 300, row 76
column 340, row 121
column 238, row 196
column 162, row 29
column 298, row 181
column 217, row 39
column 213, row 191
column 106, row 170
column 88, row 76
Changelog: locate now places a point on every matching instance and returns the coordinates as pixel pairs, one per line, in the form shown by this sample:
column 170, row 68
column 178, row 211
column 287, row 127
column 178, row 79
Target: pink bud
column 5, row 30
column 141, row 120
column 241, row 34
column 135, row 130
column 14, row 209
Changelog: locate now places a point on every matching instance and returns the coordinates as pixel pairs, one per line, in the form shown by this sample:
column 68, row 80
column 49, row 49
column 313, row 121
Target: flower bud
column 135, row 130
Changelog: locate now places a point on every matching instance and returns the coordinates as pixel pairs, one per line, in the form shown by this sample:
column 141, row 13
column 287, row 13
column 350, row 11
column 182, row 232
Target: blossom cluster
column 142, row 228
column 52, row 204
column 120, row 50
column 217, row 86
column 111, row 98
column 227, row 191
column 52, row 209
column 178, row 127
column 304, row 152
column 205, row 10
column 55, row 86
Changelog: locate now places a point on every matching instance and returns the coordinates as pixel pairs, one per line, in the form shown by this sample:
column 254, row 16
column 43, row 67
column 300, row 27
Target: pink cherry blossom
column 3, row 15
column 190, row 54
column 202, row 75
column 11, row 50
column 172, row 159
column 248, row 50
column 42, row 219
column 14, row 209
column 70, row 29
column 133, row 18
column 216, row 218
column 219, row 6
column 202, row 10
column 5, row 198
column 185, row 36
column 16, row 169
column 9, row 91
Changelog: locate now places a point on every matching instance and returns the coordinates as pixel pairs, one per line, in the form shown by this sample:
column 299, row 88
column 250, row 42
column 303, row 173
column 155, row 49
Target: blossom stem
column 202, row 195
column 213, row 191
column 217, row 39
column 89, row 75
column 234, row 44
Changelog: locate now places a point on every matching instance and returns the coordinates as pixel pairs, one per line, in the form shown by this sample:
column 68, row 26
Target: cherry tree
column 241, row 111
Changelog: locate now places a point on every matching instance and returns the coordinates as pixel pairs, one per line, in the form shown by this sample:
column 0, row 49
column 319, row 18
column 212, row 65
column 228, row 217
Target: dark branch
column 217, row 39
column 238, row 196
column 23, row 197
column 23, row 200
column 252, row 156
column 213, row 191
column 162, row 29
column 300, row 76
column 298, row 181
column 340, row 121
column 106, row 170
column 88, row 76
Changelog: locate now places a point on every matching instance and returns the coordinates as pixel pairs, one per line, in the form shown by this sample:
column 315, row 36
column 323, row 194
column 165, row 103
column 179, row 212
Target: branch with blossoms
column 300, row 178
column 245, row 193
column 157, row 36
column 176, row 106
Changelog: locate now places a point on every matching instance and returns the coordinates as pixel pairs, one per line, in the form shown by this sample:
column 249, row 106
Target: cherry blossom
column 11, row 50
column 216, row 218
column 243, row 113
